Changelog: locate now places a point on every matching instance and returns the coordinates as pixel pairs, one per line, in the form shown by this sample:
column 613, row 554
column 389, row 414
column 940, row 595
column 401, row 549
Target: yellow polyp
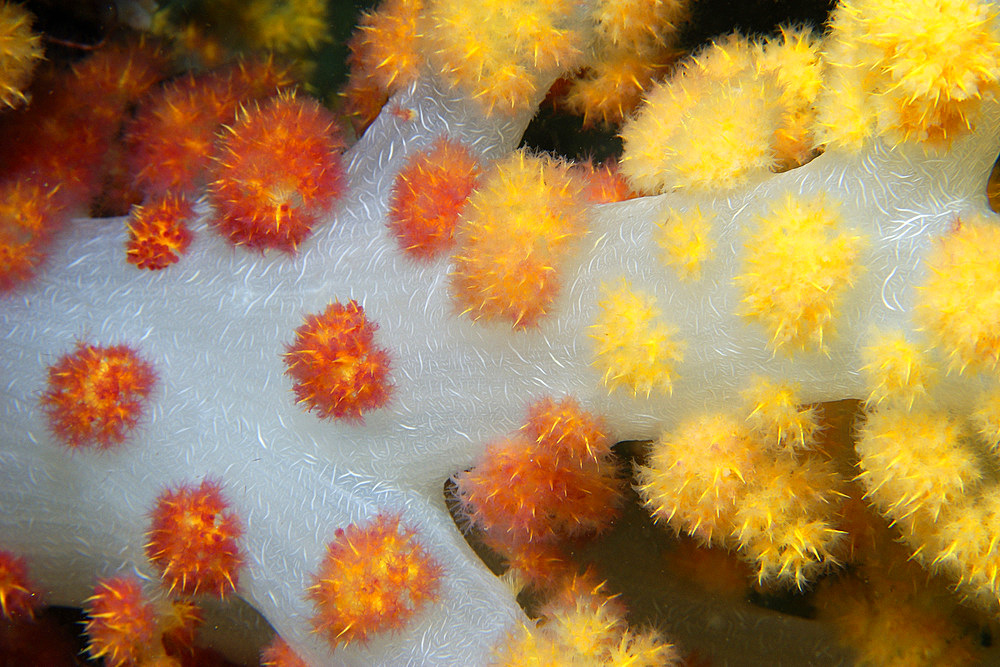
column 896, row 370
column 685, row 237
column 634, row 348
column 799, row 263
column 964, row 262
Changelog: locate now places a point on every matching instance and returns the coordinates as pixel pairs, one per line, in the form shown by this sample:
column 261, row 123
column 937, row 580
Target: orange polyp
column 428, row 196
column 338, row 369
column 96, row 395
column 158, row 232
column 374, row 578
column 194, row 540
column 29, row 216
column 122, row 622
column 18, row 597
column 277, row 170
column 520, row 226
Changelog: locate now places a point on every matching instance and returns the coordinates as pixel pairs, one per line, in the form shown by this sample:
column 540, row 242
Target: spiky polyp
column 375, row 577
column 964, row 262
column 29, row 216
column 583, row 625
column 501, row 54
column 18, row 597
column 716, row 480
column 557, row 479
column 121, row 623
column 635, row 43
column 517, row 230
column 383, row 58
column 897, row 370
column 338, row 369
column 158, row 232
column 697, row 474
column 170, row 141
column 20, row 51
column 711, row 124
column 799, row 262
column 428, row 195
column 914, row 464
column 277, row 169
column 96, row 395
column 634, row 348
column 193, row 539
column 917, row 70
column 278, row 653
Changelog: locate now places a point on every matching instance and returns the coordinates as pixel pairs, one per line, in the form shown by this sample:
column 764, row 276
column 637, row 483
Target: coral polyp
column 20, row 51
column 518, row 229
column 96, row 395
column 277, row 169
column 194, row 539
column 428, row 197
column 158, row 232
column 338, row 368
column 18, row 596
column 374, row 578
column 122, row 623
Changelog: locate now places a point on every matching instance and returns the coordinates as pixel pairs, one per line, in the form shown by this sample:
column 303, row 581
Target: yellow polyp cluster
column 710, row 124
column 963, row 263
column 583, row 625
column 502, row 54
column 784, row 525
column 686, row 240
column 798, row 265
column 778, row 416
column 634, row 348
column 896, row 370
column 716, row 480
column 793, row 57
column 634, row 42
column 965, row 544
column 914, row 464
column 287, row 25
column 624, row 22
column 20, row 51
column 915, row 69
column 727, row 115
column 986, row 419
column 516, row 231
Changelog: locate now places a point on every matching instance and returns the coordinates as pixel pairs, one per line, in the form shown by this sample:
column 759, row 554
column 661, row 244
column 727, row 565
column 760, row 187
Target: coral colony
column 258, row 384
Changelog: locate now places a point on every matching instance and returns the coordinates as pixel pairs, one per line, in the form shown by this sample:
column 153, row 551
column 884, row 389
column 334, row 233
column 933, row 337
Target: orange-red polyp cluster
column 18, row 597
column 338, row 369
column 171, row 138
column 29, row 215
column 557, row 479
column 121, row 622
column 158, row 232
column 277, row 170
column 194, row 539
column 374, row 578
column 428, row 197
column 96, row 395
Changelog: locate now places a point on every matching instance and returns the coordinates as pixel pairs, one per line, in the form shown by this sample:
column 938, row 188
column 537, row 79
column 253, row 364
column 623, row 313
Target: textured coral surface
column 216, row 324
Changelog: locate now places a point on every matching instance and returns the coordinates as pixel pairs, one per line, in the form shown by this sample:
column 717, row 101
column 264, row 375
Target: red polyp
column 277, row 169
column 96, row 395
column 338, row 369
